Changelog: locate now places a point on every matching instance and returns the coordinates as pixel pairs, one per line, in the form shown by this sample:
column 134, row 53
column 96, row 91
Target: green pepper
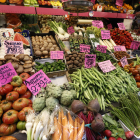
column 49, row 66
column 21, row 125
column 16, row 81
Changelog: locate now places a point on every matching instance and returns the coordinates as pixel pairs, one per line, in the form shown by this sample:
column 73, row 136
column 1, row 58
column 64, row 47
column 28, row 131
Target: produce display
column 121, row 54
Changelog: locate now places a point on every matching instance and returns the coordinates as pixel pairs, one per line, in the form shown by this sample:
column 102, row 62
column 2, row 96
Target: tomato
column 131, row 69
column 21, row 125
column 5, row 89
column 6, row 129
column 27, row 95
column 12, row 96
column 6, row 105
column 138, row 84
column 137, row 78
column 20, row 103
column 22, row 114
column 21, row 90
column 135, row 72
column 8, row 138
column 1, row 111
column 24, row 76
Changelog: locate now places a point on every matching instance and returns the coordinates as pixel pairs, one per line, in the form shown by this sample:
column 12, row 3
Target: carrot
column 81, row 131
column 78, row 124
column 75, row 130
column 55, row 135
column 71, row 130
column 65, row 128
column 60, row 125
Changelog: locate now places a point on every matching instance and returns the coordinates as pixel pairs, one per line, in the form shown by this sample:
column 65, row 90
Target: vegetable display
column 121, row 54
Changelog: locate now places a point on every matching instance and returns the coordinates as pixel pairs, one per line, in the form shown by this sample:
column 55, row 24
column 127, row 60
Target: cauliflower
column 51, row 103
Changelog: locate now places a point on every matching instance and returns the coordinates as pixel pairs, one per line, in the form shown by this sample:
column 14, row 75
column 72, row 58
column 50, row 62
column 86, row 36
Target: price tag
column 93, row 1
column 119, row 2
column 105, row 34
column 90, row 60
column 84, row 48
column 57, row 55
column 119, row 48
column 109, row 26
column 70, row 30
column 106, row 66
column 124, row 61
column 91, row 35
column 135, row 45
column 101, row 48
column 7, row 71
column 97, row 23
column 13, row 47
column 121, row 26
column 37, row 81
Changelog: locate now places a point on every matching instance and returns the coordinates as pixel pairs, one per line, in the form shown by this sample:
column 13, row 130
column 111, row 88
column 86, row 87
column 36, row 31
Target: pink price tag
column 93, row 1
column 119, row 2
column 135, row 45
column 90, row 60
column 109, row 26
column 13, row 47
column 37, row 81
column 124, row 61
column 106, row 66
column 105, row 34
column 57, row 55
column 84, row 48
column 7, row 71
column 101, row 48
column 97, row 23
column 121, row 26
column 119, row 48
column 70, row 30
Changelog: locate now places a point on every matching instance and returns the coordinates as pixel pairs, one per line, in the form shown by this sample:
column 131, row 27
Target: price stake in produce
column 70, row 30
column 135, row 45
column 109, row 26
column 97, row 23
column 106, row 66
column 124, row 61
column 121, row 26
column 101, row 48
column 105, row 34
column 13, row 47
column 56, row 54
column 119, row 2
column 119, row 48
column 84, row 48
column 7, row 71
column 90, row 60
column 37, row 81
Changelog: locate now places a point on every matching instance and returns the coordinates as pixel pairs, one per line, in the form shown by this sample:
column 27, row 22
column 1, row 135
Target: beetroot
column 99, row 116
column 107, row 133
column 119, row 139
column 129, row 134
column 94, row 106
column 111, row 138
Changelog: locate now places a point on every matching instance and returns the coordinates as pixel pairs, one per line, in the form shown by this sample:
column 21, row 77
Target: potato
column 45, row 52
column 52, row 49
column 54, row 46
column 50, row 44
column 48, row 40
column 38, row 53
column 53, row 41
column 42, row 49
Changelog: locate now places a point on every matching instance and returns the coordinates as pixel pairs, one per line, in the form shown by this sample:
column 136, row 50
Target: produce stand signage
column 105, row 34
column 119, row 2
column 109, row 26
column 90, row 60
column 119, row 48
column 106, row 66
column 124, row 61
column 70, row 30
column 97, row 23
column 13, row 47
column 84, row 48
column 57, row 55
column 7, row 71
column 135, row 45
column 121, row 26
column 101, row 48
column 37, row 81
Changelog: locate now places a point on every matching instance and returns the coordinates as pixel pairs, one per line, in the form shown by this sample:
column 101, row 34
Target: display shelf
column 127, row 16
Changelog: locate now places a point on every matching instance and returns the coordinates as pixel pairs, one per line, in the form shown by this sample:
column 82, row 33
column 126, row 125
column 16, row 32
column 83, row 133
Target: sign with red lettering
column 84, row 48
column 90, row 60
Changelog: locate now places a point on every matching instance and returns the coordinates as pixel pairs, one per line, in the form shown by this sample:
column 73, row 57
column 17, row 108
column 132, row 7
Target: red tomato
column 5, row 89
column 131, row 69
column 137, row 78
column 21, row 90
column 12, row 96
column 10, row 117
column 107, row 133
column 135, row 72
column 138, row 84
column 24, row 76
column 20, row 103
column 22, row 114
column 27, row 95
column 6, row 105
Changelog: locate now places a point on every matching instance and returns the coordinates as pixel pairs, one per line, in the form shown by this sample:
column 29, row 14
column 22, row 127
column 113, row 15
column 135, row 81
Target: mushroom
column 9, row 61
column 26, row 58
column 20, row 56
column 32, row 72
column 15, row 59
column 33, row 64
column 28, row 62
column 28, row 70
column 8, row 56
column 27, row 66
column 20, row 69
column 15, row 65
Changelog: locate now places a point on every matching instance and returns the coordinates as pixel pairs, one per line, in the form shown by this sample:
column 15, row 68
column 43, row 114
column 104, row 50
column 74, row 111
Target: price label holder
column 84, row 48
column 101, row 48
column 90, row 60
column 119, row 48
column 135, row 45
column 106, row 66
column 121, row 26
column 37, row 81
column 70, row 30
column 105, row 34
column 109, row 26
column 91, row 36
column 97, row 23
column 13, row 47
column 57, row 55
column 119, row 2
column 7, row 71
column 124, row 61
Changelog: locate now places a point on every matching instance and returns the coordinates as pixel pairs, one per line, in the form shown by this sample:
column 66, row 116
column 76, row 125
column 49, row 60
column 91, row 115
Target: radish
column 107, row 133
column 111, row 138
column 119, row 138
column 129, row 134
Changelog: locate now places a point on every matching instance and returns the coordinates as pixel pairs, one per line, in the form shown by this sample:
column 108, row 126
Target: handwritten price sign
column 109, row 26
column 101, row 48
column 90, row 60
column 124, row 61
column 37, row 81
column 84, row 48
column 119, row 2
column 93, row 1
column 7, row 71
column 57, row 54
column 119, row 48
column 97, row 23
column 106, row 66
column 70, row 30
column 121, row 26
column 13, row 47
column 135, row 45
column 105, row 34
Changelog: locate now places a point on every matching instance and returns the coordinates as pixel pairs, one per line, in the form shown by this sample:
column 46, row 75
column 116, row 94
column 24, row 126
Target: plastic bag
column 68, row 126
